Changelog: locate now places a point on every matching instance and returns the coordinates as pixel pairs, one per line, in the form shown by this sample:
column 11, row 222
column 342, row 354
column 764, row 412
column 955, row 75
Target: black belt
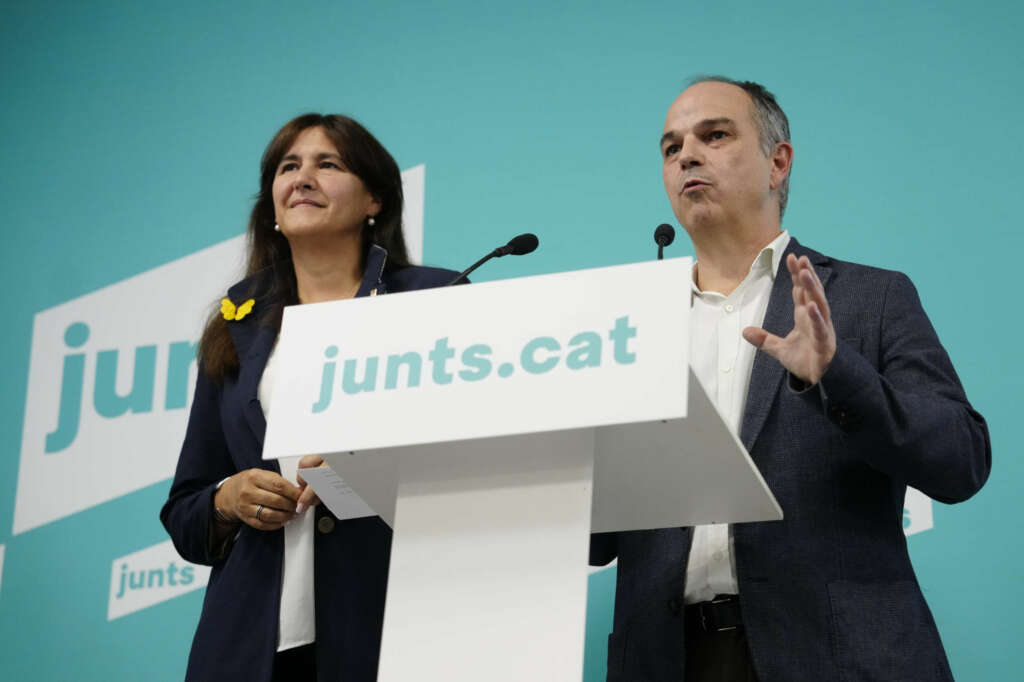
column 721, row 614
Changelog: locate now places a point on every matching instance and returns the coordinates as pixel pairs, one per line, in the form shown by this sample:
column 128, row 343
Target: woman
column 326, row 226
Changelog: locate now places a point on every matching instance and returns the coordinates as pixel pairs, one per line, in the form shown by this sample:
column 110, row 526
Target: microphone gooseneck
column 520, row 245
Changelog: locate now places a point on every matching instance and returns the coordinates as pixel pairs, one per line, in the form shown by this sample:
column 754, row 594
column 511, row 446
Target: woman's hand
column 308, row 498
column 257, row 497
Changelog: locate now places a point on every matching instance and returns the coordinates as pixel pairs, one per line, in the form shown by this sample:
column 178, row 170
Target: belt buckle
column 703, row 620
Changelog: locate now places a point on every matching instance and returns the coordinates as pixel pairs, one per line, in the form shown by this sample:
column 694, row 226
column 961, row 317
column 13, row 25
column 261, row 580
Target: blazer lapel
column 253, row 343
column 373, row 272
column 767, row 373
column 249, row 381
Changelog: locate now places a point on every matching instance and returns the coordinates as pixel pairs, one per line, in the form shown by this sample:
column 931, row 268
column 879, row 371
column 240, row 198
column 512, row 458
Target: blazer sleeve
column 204, row 461
column 910, row 417
column 603, row 548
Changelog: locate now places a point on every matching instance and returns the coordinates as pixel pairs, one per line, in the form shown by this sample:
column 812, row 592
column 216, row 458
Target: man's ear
column 782, row 162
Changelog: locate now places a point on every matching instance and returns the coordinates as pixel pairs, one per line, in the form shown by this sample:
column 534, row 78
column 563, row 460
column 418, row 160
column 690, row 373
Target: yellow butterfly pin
column 232, row 312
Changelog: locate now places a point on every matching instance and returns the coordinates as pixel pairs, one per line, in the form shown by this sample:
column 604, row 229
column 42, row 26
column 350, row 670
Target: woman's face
column 314, row 194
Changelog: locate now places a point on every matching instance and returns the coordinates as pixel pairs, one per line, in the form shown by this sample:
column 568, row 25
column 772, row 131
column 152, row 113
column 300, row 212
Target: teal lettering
column 475, row 360
column 172, row 568
column 621, row 335
column 71, row 381
column 348, row 377
column 528, row 360
column 412, row 360
column 181, row 356
column 132, row 584
column 159, row 575
column 326, row 381
column 120, row 592
column 107, row 401
column 187, row 575
column 586, row 351
column 439, row 357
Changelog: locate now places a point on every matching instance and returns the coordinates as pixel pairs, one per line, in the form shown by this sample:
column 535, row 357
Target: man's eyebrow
column 712, row 122
column 701, row 125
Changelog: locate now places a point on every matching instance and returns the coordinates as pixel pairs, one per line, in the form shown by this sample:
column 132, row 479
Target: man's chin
column 700, row 218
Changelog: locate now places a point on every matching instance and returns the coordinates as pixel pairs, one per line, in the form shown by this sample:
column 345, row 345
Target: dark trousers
column 719, row 657
column 716, row 642
column 298, row 664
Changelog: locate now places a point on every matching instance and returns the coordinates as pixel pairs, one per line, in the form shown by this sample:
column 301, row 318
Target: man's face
column 714, row 169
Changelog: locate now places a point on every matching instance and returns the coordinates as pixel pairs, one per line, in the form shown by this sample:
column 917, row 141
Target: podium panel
column 494, row 427
column 488, row 577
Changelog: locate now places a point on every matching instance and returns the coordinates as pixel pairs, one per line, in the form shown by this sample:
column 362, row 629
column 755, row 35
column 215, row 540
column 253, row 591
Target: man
column 849, row 399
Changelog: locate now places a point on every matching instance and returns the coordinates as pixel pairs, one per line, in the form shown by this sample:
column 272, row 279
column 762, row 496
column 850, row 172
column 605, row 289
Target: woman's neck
column 328, row 270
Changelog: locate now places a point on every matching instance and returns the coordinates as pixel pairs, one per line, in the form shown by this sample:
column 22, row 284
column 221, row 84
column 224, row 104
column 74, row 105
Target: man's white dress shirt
column 722, row 360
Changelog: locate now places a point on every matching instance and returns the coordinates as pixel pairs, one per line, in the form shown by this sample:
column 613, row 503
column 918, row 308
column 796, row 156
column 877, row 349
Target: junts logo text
column 540, row 355
column 106, row 400
column 151, row 576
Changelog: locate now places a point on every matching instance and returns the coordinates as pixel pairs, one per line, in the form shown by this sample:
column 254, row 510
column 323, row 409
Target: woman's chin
column 319, row 233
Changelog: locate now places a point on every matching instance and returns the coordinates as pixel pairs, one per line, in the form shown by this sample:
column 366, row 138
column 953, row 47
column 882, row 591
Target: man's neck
column 724, row 257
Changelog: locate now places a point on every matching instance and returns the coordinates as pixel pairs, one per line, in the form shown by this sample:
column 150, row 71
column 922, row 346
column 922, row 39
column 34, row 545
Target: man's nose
column 690, row 156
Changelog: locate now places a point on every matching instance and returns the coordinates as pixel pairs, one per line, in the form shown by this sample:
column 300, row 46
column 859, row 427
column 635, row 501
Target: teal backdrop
column 132, row 134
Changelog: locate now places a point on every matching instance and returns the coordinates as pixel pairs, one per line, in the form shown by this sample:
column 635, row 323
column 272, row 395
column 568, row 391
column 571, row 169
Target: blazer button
column 325, row 525
column 838, row 414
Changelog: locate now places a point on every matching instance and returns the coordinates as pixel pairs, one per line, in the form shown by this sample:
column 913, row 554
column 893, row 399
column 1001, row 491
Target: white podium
column 494, row 427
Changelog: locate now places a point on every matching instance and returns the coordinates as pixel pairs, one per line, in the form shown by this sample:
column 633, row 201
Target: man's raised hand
column 808, row 349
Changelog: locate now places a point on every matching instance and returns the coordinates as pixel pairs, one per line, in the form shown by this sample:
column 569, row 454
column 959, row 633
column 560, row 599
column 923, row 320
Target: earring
column 370, row 221
column 277, row 228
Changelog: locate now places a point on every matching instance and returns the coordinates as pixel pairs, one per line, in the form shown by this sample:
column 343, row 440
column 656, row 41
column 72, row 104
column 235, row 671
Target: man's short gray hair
column 772, row 124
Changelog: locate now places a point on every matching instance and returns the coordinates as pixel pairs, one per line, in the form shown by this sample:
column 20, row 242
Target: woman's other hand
column 308, row 498
column 257, row 497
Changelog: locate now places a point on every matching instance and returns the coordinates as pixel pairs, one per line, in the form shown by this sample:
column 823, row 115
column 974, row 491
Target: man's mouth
column 694, row 184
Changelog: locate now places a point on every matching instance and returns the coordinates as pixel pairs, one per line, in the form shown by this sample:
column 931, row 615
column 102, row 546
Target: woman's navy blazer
column 236, row 638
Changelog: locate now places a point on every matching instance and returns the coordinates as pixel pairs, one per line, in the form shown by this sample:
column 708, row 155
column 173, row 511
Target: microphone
column 519, row 245
column 664, row 235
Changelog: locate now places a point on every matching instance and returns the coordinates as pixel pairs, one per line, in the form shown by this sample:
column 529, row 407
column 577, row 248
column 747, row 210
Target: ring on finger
column 259, row 510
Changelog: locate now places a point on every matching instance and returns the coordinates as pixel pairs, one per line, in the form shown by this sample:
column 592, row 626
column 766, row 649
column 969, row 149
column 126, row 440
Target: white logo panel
column 111, row 376
column 150, row 576
column 414, row 181
column 570, row 350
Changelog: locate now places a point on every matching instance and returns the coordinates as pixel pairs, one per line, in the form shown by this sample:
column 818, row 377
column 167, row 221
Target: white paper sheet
column 335, row 493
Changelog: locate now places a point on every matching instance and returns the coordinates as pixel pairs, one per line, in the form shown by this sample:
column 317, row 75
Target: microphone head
column 522, row 244
column 664, row 234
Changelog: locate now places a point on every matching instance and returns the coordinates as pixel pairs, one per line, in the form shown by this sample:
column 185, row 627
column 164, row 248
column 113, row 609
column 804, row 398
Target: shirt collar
column 770, row 255
column 777, row 249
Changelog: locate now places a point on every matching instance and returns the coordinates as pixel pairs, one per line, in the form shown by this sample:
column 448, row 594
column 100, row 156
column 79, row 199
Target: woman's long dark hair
column 268, row 249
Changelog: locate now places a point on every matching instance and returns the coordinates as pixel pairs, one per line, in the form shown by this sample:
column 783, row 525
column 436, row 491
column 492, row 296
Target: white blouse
column 297, row 617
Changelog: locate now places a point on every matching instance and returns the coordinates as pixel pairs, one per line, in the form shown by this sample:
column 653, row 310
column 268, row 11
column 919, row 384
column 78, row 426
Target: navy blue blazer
column 828, row 593
column 236, row 638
